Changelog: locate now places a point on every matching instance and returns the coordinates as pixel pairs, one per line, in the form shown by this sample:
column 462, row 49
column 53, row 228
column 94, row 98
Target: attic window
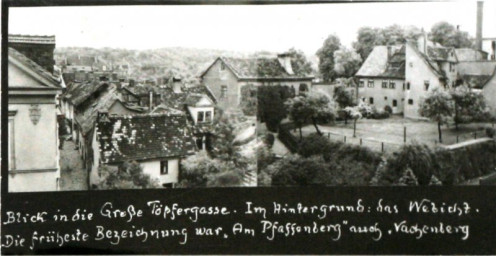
column 201, row 117
column 223, row 91
column 384, row 84
column 362, row 83
column 222, row 66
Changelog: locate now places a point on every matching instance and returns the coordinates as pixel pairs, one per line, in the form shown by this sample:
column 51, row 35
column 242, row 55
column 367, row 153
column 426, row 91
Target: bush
column 490, row 132
column 379, row 114
column 313, row 144
column 388, row 109
column 269, row 140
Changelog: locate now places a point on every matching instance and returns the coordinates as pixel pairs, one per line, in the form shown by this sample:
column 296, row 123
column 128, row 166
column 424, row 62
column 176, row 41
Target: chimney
column 478, row 33
column 389, row 52
column 37, row 48
column 285, row 61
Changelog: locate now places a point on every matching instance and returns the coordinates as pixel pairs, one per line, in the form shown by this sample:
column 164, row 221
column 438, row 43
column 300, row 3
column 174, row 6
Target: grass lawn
column 390, row 131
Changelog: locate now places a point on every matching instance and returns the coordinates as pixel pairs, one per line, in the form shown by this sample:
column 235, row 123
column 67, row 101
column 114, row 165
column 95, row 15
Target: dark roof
column 143, row 137
column 201, row 89
column 54, row 82
column 31, row 39
column 80, row 92
column 476, row 73
column 258, row 68
column 439, row 53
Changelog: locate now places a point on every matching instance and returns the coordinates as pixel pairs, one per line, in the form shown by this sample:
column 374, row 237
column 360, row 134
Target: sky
column 244, row 28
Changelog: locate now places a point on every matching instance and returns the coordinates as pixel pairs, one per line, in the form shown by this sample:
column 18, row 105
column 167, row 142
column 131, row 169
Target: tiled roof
column 439, row 53
column 164, row 109
column 259, row 68
column 31, row 39
column 467, row 54
column 80, row 92
column 87, row 118
column 378, row 65
column 143, row 137
column 54, row 81
column 476, row 73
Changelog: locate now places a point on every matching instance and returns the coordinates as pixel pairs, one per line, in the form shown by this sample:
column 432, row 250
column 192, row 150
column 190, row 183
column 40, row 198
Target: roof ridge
column 34, row 66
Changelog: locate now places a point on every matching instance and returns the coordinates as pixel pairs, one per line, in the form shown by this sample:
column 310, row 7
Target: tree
column 357, row 112
column 200, row 170
column 438, row 106
column 225, row 179
column 447, row 35
column 127, row 176
column 270, row 105
column 300, row 64
column 469, row 106
column 344, row 99
column 326, row 57
column 316, row 108
column 369, row 37
column 346, row 62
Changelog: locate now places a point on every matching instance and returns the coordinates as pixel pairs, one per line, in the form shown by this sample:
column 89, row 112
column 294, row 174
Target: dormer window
column 201, row 117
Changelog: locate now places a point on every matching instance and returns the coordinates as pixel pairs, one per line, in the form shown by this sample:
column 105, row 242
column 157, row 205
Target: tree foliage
column 439, row 107
column 299, row 62
column 344, row 99
column 315, row 108
column 127, row 176
column 270, row 105
column 447, row 35
column 326, row 57
column 346, row 62
column 469, row 106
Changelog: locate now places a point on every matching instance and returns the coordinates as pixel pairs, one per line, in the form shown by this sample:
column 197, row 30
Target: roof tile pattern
column 123, row 138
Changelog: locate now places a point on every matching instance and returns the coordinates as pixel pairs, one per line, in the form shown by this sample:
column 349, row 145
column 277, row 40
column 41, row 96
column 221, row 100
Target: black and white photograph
column 116, row 97
column 248, row 127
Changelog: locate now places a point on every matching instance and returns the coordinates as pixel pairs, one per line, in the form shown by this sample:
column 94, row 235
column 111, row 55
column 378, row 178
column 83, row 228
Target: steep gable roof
column 34, row 69
column 142, row 137
column 80, row 92
column 257, row 68
column 377, row 63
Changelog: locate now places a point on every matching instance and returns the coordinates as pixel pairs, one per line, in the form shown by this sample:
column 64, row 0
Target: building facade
column 32, row 126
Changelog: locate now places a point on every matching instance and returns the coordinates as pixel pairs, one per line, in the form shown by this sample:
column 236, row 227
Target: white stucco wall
column 383, row 96
column 416, row 72
column 153, row 169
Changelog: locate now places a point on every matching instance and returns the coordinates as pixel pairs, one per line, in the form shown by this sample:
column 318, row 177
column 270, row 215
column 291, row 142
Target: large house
column 400, row 76
column 33, row 144
column 226, row 77
column 157, row 142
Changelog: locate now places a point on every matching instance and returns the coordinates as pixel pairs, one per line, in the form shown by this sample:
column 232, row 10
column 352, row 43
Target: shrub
column 313, row 144
column 376, row 114
column 388, row 109
column 269, row 140
column 490, row 132
column 419, row 158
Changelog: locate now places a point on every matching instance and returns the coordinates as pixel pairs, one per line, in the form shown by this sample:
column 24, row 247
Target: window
column 426, row 85
column 303, row 88
column 164, row 167
column 361, row 84
column 392, row 85
column 395, row 103
column 411, row 64
column 384, row 84
column 410, row 102
column 222, row 66
column 371, row 100
column 370, row 84
column 404, row 86
column 385, row 97
column 223, row 91
column 208, row 116
column 408, row 86
column 200, row 118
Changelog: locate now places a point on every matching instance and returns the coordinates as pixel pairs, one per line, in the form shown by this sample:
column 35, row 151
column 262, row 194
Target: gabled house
column 33, row 143
column 156, row 142
column 400, row 76
column 226, row 77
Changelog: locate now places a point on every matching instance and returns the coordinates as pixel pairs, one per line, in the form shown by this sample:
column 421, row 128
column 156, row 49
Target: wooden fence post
column 344, row 139
column 328, row 135
column 404, row 134
column 382, row 147
column 457, row 138
column 360, row 141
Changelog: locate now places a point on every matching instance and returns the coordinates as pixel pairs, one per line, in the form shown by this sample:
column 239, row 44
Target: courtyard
column 388, row 134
